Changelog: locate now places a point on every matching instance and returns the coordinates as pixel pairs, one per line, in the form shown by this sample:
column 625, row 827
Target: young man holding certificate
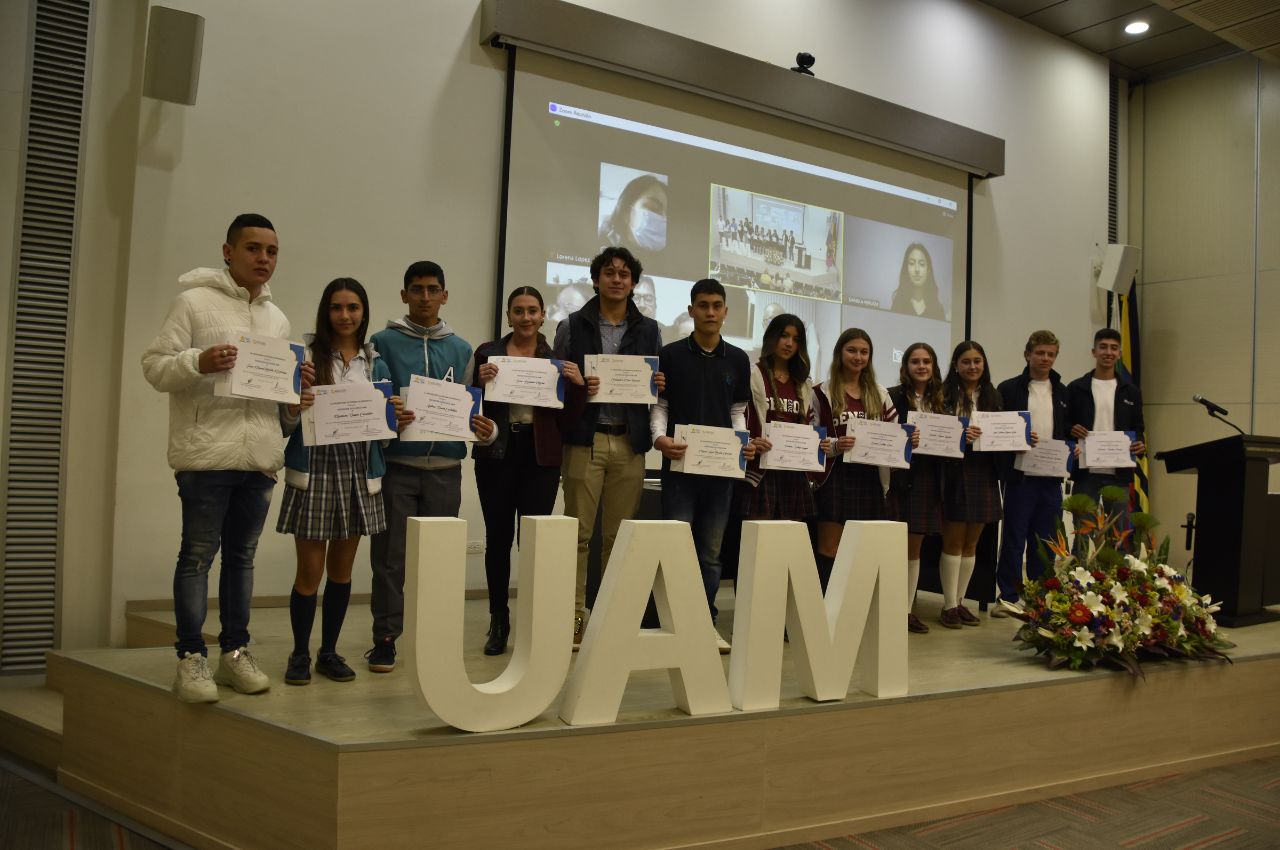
column 1102, row 401
column 224, row 450
column 709, row 384
column 1032, row 501
column 423, row 479
column 603, row 468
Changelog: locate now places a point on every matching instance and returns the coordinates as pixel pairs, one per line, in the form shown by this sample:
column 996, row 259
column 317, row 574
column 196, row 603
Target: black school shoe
column 334, row 666
column 298, row 672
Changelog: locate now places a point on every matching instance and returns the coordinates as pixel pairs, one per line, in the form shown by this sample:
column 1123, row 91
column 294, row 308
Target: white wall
column 371, row 134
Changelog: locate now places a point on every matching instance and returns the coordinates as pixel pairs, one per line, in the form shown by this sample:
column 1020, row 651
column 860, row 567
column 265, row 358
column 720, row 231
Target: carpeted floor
column 1232, row 807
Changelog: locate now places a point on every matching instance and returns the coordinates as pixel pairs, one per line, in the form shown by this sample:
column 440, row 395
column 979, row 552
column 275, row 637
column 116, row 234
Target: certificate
column 1106, row 450
column 266, row 368
column 711, row 451
column 1002, row 431
column 535, row 381
column 1046, row 459
column 880, row 443
column 796, row 446
column 442, row 410
column 940, row 435
column 349, row 413
column 624, row 378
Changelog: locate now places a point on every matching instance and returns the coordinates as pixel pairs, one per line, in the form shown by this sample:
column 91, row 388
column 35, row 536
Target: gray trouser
column 406, row 492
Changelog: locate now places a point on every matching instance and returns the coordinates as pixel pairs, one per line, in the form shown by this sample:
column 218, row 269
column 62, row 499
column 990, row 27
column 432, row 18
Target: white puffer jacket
column 208, row 431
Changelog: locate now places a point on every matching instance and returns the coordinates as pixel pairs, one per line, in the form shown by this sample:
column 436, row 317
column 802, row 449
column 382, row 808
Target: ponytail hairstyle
column 932, row 395
column 529, row 290
column 956, row 397
column 870, row 390
column 322, row 344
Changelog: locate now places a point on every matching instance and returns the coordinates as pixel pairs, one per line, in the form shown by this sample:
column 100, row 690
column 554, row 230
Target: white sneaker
column 1001, row 608
column 240, row 670
column 195, row 681
column 722, row 645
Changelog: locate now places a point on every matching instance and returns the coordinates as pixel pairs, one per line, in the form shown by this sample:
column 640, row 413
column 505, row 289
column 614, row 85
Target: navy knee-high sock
column 336, row 598
column 302, row 613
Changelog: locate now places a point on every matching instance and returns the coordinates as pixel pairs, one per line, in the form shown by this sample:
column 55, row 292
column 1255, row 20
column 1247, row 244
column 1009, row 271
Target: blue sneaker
column 334, row 666
column 382, row 658
column 298, row 672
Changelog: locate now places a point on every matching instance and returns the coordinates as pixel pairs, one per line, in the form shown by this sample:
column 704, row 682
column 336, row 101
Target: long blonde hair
column 870, row 390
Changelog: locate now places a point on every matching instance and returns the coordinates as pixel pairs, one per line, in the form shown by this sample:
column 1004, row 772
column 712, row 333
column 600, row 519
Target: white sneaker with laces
column 239, row 669
column 1001, row 608
column 195, row 681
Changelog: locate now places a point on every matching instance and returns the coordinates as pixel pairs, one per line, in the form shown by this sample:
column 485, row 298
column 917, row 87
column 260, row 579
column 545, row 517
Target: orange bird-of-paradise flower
column 1121, row 536
column 1058, row 546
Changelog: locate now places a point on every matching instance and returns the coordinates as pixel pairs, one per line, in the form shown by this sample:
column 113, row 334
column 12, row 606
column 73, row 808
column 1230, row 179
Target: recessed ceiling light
column 1137, row 27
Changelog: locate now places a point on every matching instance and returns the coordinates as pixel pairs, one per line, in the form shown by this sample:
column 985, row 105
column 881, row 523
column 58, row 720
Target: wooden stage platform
column 365, row 764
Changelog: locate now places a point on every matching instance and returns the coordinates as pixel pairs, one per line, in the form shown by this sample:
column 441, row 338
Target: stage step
column 31, row 721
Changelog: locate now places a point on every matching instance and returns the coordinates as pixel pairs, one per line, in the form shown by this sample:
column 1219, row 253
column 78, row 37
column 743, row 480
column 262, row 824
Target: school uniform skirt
column 971, row 490
column 781, row 494
column 337, row 504
column 851, row 491
column 915, row 496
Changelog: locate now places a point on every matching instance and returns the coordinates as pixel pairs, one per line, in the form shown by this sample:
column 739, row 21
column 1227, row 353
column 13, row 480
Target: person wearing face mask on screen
column 639, row 220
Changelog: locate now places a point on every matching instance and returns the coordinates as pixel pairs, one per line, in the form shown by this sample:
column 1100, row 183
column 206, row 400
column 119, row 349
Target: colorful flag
column 1130, row 367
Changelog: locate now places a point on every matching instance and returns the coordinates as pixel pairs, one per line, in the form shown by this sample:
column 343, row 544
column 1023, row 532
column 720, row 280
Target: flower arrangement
column 1112, row 597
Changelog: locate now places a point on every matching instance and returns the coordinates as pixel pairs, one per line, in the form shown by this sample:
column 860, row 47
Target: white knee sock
column 913, row 579
column 949, row 570
column 966, row 573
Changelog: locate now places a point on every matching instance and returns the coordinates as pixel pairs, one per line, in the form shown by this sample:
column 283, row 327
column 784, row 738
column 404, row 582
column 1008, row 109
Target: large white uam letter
column 614, row 643
column 862, row 616
column 434, row 591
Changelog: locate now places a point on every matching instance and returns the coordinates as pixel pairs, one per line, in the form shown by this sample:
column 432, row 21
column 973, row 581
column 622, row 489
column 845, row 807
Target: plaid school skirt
column 852, row 491
column 915, row 496
column 337, row 504
column 781, row 494
column 971, row 490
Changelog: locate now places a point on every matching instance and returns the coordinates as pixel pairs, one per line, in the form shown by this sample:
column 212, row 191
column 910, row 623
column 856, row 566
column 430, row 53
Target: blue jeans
column 702, row 501
column 1032, row 507
column 220, row 509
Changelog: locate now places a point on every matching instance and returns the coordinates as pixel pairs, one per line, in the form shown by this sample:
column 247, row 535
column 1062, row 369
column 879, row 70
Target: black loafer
column 499, row 631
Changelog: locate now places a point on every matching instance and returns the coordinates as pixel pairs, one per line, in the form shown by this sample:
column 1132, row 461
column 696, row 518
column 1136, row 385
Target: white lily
column 1119, row 594
column 1084, row 638
column 1163, row 583
column 1144, row 623
column 1082, row 576
column 1093, row 602
column 1138, row 565
column 1116, row 639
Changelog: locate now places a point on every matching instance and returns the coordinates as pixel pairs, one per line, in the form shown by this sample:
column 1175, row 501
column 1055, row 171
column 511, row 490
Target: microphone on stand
column 1210, row 406
column 1217, row 411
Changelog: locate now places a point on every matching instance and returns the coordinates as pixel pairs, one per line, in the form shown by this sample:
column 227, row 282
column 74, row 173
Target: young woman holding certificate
column 971, row 495
column 915, row 494
column 517, row 457
column 780, row 392
column 331, row 494
column 848, row 490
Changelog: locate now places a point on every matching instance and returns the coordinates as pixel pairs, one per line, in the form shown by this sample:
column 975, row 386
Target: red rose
column 1143, row 599
column 1052, row 584
column 1098, row 575
column 1123, row 573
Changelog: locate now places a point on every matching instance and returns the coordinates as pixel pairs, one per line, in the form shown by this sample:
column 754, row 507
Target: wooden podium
column 1237, row 560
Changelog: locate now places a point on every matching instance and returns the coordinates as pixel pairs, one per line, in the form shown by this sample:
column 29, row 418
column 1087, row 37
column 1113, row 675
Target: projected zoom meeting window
column 837, row 247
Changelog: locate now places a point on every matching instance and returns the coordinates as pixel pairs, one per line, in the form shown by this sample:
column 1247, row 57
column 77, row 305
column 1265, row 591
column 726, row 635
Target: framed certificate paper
column 796, row 447
column 535, row 381
column 1002, row 431
column 941, row 435
column 349, row 413
column 711, row 451
column 880, row 443
column 624, row 378
column 1106, row 450
column 266, row 368
column 442, row 410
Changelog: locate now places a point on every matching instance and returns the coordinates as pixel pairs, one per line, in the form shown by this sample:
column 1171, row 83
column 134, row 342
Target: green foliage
column 1078, row 504
column 1114, row 495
